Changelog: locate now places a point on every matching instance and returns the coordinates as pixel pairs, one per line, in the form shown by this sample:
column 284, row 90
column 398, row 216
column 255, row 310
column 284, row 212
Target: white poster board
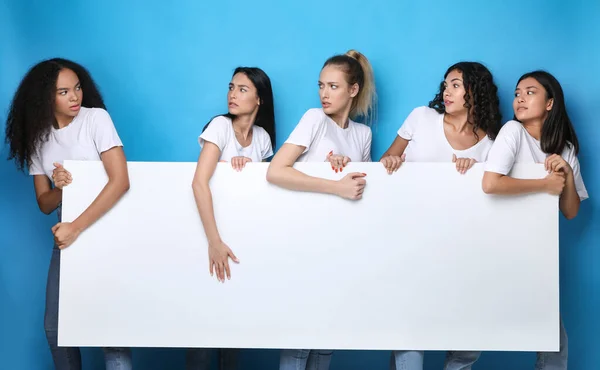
column 424, row 261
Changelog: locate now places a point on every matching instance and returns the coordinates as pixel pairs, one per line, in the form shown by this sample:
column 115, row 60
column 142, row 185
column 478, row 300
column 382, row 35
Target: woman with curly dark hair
column 58, row 114
column 459, row 125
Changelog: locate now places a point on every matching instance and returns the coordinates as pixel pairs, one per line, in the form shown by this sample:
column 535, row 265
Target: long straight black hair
column 265, row 117
column 557, row 131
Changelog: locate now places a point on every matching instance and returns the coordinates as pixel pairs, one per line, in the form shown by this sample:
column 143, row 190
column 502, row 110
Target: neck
column 243, row 124
column 459, row 121
column 534, row 127
column 341, row 118
column 62, row 120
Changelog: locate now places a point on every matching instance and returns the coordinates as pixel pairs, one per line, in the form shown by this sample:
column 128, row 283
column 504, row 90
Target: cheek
column 61, row 103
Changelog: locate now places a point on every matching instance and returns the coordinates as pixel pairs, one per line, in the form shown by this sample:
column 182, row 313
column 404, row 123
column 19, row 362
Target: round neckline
column 330, row 120
column 441, row 119
column 235, row 138
column 75, row 119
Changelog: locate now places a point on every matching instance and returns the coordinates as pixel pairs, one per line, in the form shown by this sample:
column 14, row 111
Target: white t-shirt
column 220, row 132
column 319, row 134
column 515, row 145
column 424, row 128
column 91, row 133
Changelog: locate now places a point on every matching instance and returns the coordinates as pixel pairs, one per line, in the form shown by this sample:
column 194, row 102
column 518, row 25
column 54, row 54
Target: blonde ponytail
column 358, row 70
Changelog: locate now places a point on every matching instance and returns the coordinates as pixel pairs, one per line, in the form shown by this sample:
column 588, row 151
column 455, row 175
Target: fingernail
column 341, row 169
column 336, row 171
column 333, row 168
column 364, row 174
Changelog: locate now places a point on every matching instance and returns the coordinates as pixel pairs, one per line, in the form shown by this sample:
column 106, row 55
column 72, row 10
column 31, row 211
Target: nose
column 446, row 93
column 73, row 97
column 520, row 99
column 325, row 92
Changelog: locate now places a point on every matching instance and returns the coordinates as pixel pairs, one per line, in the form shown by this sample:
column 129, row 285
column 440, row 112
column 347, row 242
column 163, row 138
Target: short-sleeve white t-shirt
column 424, row 129
column 319, row 134
column 91, row 133
column 515, row 145
column 220, row 132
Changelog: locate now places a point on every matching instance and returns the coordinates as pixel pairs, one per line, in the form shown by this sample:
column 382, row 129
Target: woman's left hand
column 555, row 163
column 338, row 162
column 238, row 163
column 65, row 234
column 463, row 164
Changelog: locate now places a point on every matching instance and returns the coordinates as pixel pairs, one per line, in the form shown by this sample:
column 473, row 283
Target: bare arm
column 282, row 173
column 205, row 168
column 495, row 183
column 397, row 148
column 115, row 166
column 48, row 198
column 569, row 199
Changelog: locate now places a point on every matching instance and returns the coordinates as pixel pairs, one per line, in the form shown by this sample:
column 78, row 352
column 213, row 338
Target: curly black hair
column 31, row 114
column 479, row 85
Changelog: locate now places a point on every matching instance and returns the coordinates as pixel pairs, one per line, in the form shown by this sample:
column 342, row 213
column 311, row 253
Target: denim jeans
column 305, row 359
column 463, row 360
column 69, row 358
column 199, row 358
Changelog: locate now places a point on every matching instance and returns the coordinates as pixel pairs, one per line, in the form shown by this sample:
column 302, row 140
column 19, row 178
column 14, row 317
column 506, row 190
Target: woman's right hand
column 60, row 176
column 555, row 183
column 218, row 260
column 352, row 186
column 392, row 162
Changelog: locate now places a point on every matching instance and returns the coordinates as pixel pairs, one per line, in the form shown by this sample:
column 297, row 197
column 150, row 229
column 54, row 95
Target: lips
column 325, row 104
column 75, row 107
column 448, row 102
column 520, row 109
column 233, row 105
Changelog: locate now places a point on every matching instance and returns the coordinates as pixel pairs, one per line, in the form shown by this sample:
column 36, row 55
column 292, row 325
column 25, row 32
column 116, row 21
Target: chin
column 329, row 110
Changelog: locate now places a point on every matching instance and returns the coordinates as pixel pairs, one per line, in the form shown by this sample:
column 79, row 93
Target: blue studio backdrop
column 164, row 68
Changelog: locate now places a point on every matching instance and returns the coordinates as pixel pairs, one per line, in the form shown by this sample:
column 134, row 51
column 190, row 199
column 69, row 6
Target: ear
column 354, row 89
column 549, row 104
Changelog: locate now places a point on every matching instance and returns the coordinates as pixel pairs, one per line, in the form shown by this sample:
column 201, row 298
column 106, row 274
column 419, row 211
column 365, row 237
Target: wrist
column 78, row 226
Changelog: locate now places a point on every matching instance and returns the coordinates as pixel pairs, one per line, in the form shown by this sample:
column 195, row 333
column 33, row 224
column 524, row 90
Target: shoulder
column 261, row 133
column 511, row 127
column 220, row 121
column 362, row 129
column 425, row 113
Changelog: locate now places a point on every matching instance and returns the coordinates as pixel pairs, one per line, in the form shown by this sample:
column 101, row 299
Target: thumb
column 56, row 227
column 403, row 157
column 233, row 257
column 57, row 165
column 453, row 158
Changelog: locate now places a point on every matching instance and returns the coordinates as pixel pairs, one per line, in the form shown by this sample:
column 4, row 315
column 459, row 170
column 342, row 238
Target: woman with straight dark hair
column 245, row 134
column 58, row 114
column 540, row 132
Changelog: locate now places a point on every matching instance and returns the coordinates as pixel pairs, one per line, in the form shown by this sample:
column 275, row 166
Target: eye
column 529, row 92
column 456, row 86
column 230, row 88
column 78, row 88
column 517, row 95
column 333, row 87
column 62, row 93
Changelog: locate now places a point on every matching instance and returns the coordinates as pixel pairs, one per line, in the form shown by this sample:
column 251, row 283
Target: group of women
column 58, row 114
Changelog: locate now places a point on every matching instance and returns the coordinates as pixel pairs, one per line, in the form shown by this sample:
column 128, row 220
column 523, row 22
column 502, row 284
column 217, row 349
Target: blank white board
column 424, row 261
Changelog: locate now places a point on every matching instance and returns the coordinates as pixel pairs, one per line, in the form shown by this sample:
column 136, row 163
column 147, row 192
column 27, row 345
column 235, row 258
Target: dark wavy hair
column 265, row 117
column 479, row 85
column 557, row 130
column 31, row 114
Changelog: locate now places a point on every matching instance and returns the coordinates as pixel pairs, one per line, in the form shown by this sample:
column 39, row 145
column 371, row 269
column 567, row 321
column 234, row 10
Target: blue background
column 164, row 70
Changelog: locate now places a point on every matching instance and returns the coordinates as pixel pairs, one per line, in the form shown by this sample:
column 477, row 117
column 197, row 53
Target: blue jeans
column 304, row 359
column 463, row 360
column 199, row 358
column 69, row 358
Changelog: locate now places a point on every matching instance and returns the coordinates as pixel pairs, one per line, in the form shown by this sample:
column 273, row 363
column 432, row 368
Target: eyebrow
column 454, row 79
column 66, row 88
column 330, row 82
column 528, row 87
column 231, row 84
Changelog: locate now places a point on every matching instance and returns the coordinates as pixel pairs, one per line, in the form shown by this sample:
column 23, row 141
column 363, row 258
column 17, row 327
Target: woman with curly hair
column 58, row 114
column 459, row 125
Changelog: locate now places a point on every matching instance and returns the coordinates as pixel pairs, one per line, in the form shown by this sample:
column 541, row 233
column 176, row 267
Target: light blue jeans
column 464, row 360
column 305, row 359
column 69, row 358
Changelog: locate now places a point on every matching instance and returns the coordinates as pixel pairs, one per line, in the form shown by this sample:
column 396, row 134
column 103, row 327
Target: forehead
column 454, row 74
column 241, row 79
column 529, row 81
column 66, row 77
column 332, row 73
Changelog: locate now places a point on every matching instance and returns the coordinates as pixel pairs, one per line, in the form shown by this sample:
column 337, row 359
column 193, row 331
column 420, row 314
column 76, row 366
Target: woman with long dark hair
column 58, row 114
column 458, row 125
column 540, row 132
column 245, row 134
